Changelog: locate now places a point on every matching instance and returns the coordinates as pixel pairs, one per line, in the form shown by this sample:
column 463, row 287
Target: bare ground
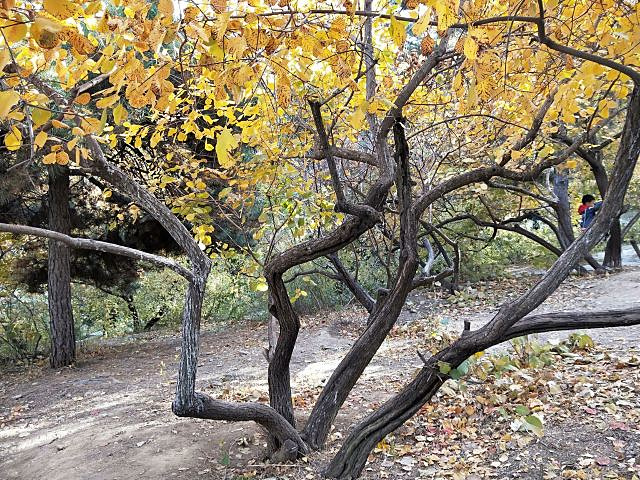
column 109, row 417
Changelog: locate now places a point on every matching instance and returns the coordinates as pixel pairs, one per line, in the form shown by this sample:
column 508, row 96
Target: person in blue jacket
column 588, row 210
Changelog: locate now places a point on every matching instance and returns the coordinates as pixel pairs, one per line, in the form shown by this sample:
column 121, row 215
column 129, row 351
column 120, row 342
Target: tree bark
column 563, row 208
column 358, row 291
column 613, row 250
column 63, row 338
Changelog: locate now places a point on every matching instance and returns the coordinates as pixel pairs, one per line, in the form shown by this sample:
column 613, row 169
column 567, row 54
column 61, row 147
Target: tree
column 334, row 121
column 63, row 338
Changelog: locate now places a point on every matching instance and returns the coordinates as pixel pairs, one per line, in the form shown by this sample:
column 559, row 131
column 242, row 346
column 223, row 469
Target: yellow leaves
column 591, row 69
column 107, row 101
column 40, row 139
column 446, row 11
column 80, row 44
column 190, row 13
column 571, row 163
column 221, row 24
column 225, row 142
column 219, row 5
column 5, row 58
column 45, row 32
column 62, row 157
column 120, row 114
column 92, row 8
column 62, row 9
column 13, row 139
column 357, row 118
column 283, row 91
column 49, row 159
column 8, row 98
column 57, row 156
column 236, row 46
column 83, row 98
column 398, row 31
column 202, row 233
column 426, row 45
column 470, row 48
column 421, row 25
column 40, row 116
column 15, row 29
column 7, row 4
column 90, row 125
column 338, row 28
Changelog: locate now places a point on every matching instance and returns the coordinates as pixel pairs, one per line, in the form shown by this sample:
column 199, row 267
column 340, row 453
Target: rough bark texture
column 63, row 338
column 613, row 249
column 358, row 291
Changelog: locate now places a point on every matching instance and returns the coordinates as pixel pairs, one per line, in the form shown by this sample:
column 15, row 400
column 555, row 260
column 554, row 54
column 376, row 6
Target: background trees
column 346, row 129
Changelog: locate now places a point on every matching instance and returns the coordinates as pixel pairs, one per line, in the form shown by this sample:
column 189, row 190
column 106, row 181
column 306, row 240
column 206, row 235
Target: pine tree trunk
column 63, row 339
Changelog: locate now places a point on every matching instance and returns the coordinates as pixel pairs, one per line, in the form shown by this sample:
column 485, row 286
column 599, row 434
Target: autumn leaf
column 62, row 157
column 49, row 159
column 165, row 7
column 8, row 98
column 398, row 31
column 83, row 98
column 40, row 116
column 41, row 139
column 421, row 25
column 62, row 9
column 5, row 58
column 15, row 30
column 45, row 32
column 225, row 142
column 470, row 48
column 119, row 114
column 426, row 45
column 13, row 139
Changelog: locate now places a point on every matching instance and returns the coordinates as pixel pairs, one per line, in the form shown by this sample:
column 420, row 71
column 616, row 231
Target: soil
column 109, row 417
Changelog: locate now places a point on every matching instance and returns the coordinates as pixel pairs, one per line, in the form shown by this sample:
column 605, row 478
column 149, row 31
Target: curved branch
column 98, row 246
column 212, row 409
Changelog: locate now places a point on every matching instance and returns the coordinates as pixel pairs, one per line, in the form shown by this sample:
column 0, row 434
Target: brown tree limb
column 98, row 246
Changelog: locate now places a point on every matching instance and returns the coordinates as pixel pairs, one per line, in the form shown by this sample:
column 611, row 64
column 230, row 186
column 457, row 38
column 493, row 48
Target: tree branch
column 98, row 246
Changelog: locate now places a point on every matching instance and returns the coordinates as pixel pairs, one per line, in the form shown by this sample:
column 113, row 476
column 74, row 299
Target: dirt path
column 110, row 417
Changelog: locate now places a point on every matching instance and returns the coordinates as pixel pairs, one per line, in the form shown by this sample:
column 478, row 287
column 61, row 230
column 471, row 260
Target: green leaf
column 444, row 367
column 534, row 421
column 522, row 410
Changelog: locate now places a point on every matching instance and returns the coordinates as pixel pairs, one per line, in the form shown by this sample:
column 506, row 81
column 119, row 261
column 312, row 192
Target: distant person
column 588, row 210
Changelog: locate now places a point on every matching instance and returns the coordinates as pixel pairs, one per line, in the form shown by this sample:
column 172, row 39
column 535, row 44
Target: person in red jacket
column 587, row 210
